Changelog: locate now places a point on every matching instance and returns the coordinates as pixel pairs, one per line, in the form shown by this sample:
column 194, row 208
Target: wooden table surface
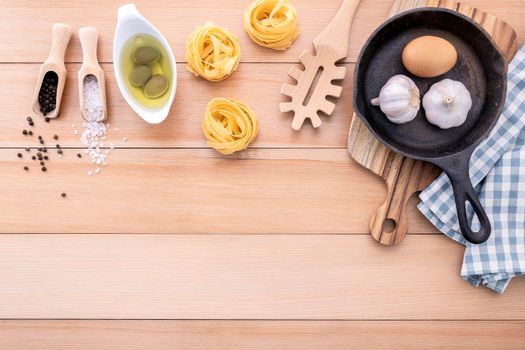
column 173, row 246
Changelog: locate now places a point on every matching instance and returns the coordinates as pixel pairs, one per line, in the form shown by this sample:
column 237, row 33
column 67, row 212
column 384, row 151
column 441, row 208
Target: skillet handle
column 463, row 192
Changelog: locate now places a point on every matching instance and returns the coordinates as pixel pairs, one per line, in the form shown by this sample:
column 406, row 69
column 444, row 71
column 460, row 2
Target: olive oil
column 161, row 66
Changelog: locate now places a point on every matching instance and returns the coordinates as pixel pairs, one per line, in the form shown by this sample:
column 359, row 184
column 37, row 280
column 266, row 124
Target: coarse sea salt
column 95, row 130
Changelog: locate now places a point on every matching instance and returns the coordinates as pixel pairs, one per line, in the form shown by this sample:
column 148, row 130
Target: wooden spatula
column 315, row 82
column 54, row 63
column 88, row 39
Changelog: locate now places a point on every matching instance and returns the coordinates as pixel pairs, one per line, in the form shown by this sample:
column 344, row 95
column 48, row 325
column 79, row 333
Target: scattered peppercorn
column 55, row 137
column 79, row 155
column 19, row 155
column 33, row 157
column 28, row 149
column 42, row 163
column 30, row 133
column 26, row 168
column 31, row 123
column 44, row 149
column 24, row 132
column 46, row 157
column 59, row 151
column 41, row 141
column 63, row 195
column 58, row 146
column 44, row 168
column 29, row 119
column 47, row 120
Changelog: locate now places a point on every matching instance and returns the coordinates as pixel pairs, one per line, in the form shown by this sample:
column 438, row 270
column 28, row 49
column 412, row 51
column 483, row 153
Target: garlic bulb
column 447, row 103
column 399, row 99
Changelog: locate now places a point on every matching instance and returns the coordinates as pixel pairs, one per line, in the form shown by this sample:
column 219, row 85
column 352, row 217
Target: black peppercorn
column 33, row 157
column 47, row 119
column 19, row 155
column 46, row 157
column 48, row 93
column 59, row 151
column 24, row 132
column 26, row 168
column 42, row 163
column 44, row 168
column 63, row 195
column 79, row 155
column 30, row 133
column 55, row 137
column 28, row 149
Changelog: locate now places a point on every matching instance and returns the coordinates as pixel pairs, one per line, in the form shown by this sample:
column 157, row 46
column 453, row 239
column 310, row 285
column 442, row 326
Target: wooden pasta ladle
column 88, row 39
column 315, row 82
column 54, row 63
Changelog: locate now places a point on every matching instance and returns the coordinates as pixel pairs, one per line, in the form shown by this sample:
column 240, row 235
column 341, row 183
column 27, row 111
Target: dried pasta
column 212, row 52
column 229, row 125
column 272, row 23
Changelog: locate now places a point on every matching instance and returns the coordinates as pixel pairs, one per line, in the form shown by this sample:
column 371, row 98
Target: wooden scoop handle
column 337, row 33
column 61, row 35
column 88, row 39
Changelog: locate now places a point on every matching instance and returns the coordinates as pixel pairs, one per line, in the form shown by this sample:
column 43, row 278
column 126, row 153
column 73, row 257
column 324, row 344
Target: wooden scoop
column 88, row 39
column 54, row 63
column 315, row 83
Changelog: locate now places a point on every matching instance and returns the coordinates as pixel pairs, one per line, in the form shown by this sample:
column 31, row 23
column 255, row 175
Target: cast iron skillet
column 481, row 67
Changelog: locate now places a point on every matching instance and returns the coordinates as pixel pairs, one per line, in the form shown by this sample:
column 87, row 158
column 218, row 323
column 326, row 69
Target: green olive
column 145, row 54
column 140, row 75
column 156, row 86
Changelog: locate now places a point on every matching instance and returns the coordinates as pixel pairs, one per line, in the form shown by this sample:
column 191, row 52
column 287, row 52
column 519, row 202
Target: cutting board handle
column 389, row 224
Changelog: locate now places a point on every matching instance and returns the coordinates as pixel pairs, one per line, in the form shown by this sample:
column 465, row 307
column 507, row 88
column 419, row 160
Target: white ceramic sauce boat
column 131, row 23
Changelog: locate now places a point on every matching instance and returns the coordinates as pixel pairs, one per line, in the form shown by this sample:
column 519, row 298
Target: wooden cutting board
column 404, row 176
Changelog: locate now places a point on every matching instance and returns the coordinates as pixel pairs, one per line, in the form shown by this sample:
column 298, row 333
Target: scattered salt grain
column 115, row 129
column 75, row 132
column 97, row 170
column 89, row 172
column 124, row 139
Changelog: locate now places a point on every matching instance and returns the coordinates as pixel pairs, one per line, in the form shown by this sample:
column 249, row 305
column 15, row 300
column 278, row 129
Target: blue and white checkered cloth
column 497, row 170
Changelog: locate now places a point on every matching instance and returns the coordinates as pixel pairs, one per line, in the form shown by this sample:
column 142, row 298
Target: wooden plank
column 242, row 277
column 257, row 84
column 176, row 19
column 191, row 191
column 261, row 335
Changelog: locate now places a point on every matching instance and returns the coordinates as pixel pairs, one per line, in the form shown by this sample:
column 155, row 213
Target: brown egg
column 429, row 56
